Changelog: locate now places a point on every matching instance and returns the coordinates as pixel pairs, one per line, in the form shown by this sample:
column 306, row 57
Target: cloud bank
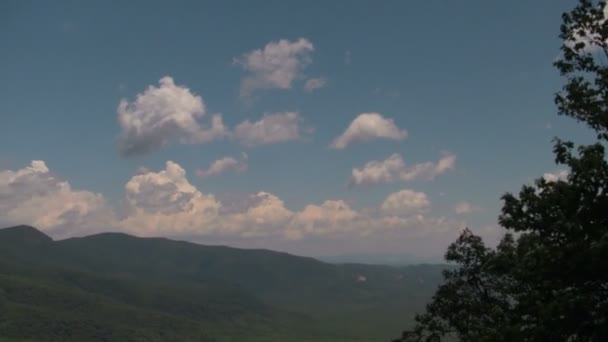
column 165, row 203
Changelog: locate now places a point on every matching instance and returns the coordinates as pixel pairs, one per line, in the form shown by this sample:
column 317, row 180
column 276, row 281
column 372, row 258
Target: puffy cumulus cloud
column 314, row 83
column 375, row 172
column 406, row 201
column 224, row 165
column 276, row 66
column 330, row 217
column 265, row 215
column 163, row 114
column 559, row 175
column 165, row 203
column 464, row 207
column 270, row 129
column 34, row 196
column 394, row 169
column 369, row 126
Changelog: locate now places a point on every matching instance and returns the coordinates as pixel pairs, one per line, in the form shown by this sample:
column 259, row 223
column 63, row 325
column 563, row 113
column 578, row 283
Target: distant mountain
column 116, row 287
column 23, row 235
column 375, row 259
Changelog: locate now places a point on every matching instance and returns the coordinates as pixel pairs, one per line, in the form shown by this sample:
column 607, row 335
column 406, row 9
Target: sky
column 317, row 128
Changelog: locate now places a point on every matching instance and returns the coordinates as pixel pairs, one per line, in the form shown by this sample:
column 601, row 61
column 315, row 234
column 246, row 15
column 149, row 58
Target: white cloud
column 406, row 201
column 265, row 216
column 394, row 169
column 276, row 66
column 165, row 203
column 270, row 129
column 32, row 195
column 552, row 177
column 369, row 126
column 314, row 83
column 464, row 207
column 224, row 165
column 375, row 172
column 164, row 114
column 330, row 217
column 429, row 170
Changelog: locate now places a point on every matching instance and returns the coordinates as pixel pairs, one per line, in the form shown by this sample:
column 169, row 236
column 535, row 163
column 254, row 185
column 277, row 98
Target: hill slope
column 119, row 287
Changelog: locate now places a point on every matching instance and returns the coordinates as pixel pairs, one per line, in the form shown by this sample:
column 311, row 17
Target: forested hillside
column 116, row 287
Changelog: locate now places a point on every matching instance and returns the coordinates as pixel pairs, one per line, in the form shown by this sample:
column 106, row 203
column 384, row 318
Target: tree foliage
column 547, row 280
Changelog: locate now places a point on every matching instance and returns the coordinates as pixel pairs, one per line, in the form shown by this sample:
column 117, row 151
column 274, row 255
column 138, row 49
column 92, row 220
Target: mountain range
column 117, row 287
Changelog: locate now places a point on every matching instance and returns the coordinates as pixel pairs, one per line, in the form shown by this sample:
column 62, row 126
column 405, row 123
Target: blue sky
column 468, row 79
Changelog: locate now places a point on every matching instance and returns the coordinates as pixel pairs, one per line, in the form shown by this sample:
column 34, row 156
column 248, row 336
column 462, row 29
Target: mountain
column 373, row 259
column 116, row 287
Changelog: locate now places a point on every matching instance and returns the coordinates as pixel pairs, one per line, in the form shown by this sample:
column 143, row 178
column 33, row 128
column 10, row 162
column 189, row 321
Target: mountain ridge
column 26, row 233
column 228, row 291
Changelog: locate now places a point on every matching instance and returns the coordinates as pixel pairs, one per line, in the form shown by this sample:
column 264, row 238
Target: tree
column 547, row 280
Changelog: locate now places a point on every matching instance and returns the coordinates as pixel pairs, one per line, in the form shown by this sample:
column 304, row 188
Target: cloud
column 394, row 169
column 464, row 207
column 429, row 170
column 369, row 126
column 165, row 203
column 276, row 66
column 32, row 195
column 406, row 201
column 224, row 165
column 164, row 114
column 265, row 216
column 270, row 129
column 559, row 175
column 314, row 83
column 330, row 217
column 375, row 172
